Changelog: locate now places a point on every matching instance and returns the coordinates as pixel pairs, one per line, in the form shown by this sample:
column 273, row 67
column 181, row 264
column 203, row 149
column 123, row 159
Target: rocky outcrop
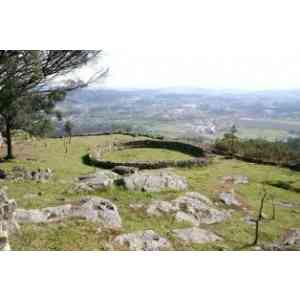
column 150, row 181
column 195, row 235
column 8, row 223
column 99, row 180
column 95, row 209
column 192, row 208
column 142, row 241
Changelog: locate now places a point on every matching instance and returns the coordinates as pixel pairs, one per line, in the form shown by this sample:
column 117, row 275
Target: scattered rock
column 142, row 240
column 291, row 237
column 99, row 180
column 123, row 170
column 196, row 235
column 290, row 240
column 20, row 173
column 149, row 181
column 236, row 179
column 8, row 223
column 94, row 209
column 193, row 208
column 229, row 199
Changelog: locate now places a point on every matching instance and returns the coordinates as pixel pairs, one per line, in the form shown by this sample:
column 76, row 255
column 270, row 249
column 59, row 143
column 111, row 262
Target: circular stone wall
column 199, row 159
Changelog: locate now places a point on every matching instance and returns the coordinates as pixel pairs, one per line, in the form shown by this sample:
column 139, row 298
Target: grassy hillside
column 82, row 235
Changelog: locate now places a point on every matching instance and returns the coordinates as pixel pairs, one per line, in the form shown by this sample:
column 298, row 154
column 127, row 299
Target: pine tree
column 32, row 82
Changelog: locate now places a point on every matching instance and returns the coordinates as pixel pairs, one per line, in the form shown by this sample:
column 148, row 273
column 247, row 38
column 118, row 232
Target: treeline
column 259, row 150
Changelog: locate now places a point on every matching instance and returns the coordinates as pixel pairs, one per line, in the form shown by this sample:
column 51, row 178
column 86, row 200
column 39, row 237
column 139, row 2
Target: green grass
column 82, row 235
column 140, row 154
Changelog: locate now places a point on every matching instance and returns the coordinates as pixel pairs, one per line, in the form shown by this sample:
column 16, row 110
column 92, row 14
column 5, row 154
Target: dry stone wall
column 199, row 158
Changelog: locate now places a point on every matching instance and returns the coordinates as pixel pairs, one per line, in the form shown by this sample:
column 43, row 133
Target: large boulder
column 193, row 208
column 100, row 210
column 151, row 181
column 95, row 209
column 99, row 180
column 8, row 222
column 142, row 241
column 195, row 235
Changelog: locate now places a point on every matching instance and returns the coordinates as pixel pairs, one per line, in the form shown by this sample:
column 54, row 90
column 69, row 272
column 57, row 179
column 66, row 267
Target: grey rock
column 236, row 179
column 158, row 208
column 285, row 204
column 136, row 206
column 229, row 199
column 250, row 220
column 196, row 235
column 292, row 237
column 8, row 222
column 4, row 242
column 101, row 179
column 101, row 211
column 95, row 209
column 123, row 170
column 21, row 173
column 44, row 215
column 149, row 181
column 142, row 241
column 193, row 208
column 199, row 208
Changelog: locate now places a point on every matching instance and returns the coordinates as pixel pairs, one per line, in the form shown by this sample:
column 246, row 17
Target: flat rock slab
column 142, row 241
column 151, row 181
column 196, row 235
column 228, row 198
column 99, row 180
column 95, row 209
column 193, row 208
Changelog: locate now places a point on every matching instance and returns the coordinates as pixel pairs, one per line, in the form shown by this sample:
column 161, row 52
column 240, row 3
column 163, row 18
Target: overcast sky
column 240, row 44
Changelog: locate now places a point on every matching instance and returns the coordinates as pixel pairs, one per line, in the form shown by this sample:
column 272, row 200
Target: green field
column 81, row 235
column 139, row 154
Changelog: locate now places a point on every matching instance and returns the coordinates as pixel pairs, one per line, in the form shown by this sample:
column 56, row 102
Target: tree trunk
column 9, row 154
